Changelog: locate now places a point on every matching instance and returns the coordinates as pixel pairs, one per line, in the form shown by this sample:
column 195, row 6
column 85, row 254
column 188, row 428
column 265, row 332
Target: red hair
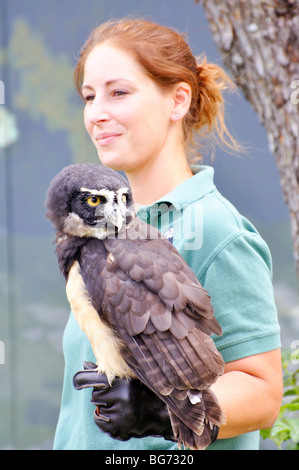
column 168, row 60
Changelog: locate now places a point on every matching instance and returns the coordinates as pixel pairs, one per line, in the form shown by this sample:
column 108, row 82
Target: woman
column 146, row 99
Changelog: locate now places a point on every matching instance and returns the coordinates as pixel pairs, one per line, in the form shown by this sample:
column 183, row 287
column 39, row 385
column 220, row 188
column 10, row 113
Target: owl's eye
column 94, row 201
column 124, row 198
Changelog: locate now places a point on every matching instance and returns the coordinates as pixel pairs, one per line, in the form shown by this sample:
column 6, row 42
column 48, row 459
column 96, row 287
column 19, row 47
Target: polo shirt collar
column 193, row 189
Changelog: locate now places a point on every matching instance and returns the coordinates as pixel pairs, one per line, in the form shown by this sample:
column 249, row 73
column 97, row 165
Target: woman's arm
column 250, row 393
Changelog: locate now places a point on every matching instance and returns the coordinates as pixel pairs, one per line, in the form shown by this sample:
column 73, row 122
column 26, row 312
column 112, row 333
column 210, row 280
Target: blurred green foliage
column 285, row 432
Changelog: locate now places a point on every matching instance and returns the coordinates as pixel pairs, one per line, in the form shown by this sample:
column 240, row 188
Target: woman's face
column 128, row 117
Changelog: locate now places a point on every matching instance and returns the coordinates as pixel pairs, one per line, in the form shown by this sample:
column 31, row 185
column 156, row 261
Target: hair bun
column 208, row 104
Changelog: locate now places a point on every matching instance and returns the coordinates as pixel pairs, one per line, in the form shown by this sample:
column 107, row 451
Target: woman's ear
column 181, row 101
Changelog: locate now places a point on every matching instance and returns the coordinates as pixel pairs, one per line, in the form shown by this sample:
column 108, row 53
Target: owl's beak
column 115, row 217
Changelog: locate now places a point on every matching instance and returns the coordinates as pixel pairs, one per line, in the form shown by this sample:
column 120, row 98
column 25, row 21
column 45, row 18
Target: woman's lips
column 106, row 138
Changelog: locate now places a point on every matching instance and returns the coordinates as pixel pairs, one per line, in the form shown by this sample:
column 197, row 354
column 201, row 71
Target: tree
column 259, row 42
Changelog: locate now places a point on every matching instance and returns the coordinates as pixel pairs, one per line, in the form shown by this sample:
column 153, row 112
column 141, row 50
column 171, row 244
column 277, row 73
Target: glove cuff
column 214, row 433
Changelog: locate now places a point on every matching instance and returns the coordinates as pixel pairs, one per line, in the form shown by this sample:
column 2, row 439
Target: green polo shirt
column 231, row 261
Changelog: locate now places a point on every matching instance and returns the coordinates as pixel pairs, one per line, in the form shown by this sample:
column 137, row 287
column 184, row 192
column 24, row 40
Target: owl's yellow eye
column 93, row 201
column 124, row 198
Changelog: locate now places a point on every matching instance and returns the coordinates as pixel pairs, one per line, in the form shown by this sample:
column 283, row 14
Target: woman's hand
column 125, row 409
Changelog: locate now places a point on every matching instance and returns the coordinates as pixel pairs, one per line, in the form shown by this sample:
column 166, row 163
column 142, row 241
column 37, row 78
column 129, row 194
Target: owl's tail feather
column 193, row 425
column 188, row 438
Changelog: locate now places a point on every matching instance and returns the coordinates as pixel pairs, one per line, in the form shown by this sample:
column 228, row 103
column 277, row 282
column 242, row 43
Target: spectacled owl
column 140, row 305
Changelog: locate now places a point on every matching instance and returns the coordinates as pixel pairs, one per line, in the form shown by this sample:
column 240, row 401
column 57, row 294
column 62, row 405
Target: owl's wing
column 150, row 259
column 152, row 296
column 165, row 317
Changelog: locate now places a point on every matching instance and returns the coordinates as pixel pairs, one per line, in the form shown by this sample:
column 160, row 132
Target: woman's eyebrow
column 110, row 82
column 86, row 86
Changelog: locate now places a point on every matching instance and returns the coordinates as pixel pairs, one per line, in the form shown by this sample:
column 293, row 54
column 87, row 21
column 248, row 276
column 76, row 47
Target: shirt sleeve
column 239, row 281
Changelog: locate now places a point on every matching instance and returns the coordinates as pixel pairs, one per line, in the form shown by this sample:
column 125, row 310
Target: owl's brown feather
column 153, row 302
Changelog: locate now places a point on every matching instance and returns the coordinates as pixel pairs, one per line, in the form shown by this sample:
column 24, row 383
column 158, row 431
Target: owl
column 140, row 305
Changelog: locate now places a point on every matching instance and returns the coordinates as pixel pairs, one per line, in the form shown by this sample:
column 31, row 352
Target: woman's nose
column 97, row 112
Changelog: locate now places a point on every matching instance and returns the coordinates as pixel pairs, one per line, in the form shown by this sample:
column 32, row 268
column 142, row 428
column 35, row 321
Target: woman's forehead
column 113, row 63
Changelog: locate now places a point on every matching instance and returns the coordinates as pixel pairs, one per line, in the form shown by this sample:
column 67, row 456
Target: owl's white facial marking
column 109, row 195
column 109, row 216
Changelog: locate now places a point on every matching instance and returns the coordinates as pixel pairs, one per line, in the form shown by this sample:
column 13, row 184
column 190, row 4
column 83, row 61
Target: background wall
column 41, row 130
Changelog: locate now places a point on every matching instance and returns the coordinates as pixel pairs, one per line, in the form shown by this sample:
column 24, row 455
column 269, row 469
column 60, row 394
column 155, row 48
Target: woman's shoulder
column 217, row 226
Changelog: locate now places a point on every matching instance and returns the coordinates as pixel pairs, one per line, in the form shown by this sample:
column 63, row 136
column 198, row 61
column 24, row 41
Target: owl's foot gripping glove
column 125, row 409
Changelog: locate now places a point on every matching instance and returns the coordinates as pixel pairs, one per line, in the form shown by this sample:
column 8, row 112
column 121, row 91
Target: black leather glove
column 125, row 409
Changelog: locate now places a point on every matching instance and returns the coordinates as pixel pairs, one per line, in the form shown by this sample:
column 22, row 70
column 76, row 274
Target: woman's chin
column 112, row 163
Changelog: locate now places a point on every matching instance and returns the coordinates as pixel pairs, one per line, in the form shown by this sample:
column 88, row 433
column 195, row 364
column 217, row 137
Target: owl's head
column 89, row 200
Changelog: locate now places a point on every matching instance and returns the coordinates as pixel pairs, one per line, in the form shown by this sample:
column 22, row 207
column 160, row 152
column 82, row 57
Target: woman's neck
column 151, row 183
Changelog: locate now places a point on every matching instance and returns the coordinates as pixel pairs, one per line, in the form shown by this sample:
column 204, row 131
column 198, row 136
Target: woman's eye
column 88, row 98
column 94, row 201
column 118, row 93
